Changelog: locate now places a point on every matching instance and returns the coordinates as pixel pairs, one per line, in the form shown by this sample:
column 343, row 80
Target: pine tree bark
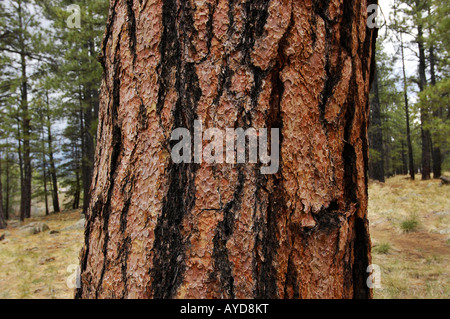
column 156, row 229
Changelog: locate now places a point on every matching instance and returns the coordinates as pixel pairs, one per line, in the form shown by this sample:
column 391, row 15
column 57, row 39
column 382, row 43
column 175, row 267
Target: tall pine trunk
column 376, row 170
column 438, row 113
column 156, row 229
column 424, row 112
column 44, row 178
column 53, row 176
column 7, row 186
column 2, row 212
column 408, row 127
column 25, row 198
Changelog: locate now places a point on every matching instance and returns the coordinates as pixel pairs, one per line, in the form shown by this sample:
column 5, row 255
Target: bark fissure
column 169, row 245
column 198, row 230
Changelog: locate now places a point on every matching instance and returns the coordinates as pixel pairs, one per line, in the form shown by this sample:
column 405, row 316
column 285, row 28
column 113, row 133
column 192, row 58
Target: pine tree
column 22, row 43
column 79, row 72
column 398, row 27
column 157, row 229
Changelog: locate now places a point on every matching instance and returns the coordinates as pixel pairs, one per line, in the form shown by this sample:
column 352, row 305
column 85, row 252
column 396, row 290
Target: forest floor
column 409, row 224
column 410, row 231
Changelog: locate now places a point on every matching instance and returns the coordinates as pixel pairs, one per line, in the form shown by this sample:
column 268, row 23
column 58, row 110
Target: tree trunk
column 376, row 170
column 19, row 154
column 88, row 157
column 404, row 161
column 157, row 229
column 424, row 116
column 53, row 176
column 87, row 146
column 408, row 127
column 2, row 212
column 438, row 113
column 76, row 196
column 44, row 170
column 25, row 198
column 7, row 187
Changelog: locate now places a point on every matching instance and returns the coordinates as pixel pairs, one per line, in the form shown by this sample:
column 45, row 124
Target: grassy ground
column 35, row 266
column 410, row 230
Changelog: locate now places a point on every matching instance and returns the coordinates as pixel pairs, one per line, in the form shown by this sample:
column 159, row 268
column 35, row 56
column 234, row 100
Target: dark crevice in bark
column 222, row 265
column 123, row 256
column 259, row 76
column 187, row 31
column 266, row 287
column 361, row 260
column 327, row 219
column 265, row 270
column 142, row 117
column 111, row 18
column 224, row 80
column 291, row 281
column 348, row 14
column 209, row 29
column 231, row 16
column 169, row 246
column 257, row 13
column 132, row 29
column 332, row 75
column 169, row 49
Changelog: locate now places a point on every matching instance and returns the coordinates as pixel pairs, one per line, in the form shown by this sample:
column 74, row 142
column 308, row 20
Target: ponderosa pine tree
column 22, row 43
column 400, row 30
column 376, row 167
column 2, row 212
column 79, row 72
column 156, row 229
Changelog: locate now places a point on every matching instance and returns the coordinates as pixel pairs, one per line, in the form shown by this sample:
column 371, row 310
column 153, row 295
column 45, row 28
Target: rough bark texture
column 156, row 229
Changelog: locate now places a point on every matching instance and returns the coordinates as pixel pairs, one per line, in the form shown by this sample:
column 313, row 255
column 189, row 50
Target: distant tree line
column 410, row 113
column 49, row 89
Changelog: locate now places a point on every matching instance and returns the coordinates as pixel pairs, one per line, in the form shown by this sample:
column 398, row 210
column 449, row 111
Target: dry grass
column 414, row 260
column 412, row 217
column 35, row 266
